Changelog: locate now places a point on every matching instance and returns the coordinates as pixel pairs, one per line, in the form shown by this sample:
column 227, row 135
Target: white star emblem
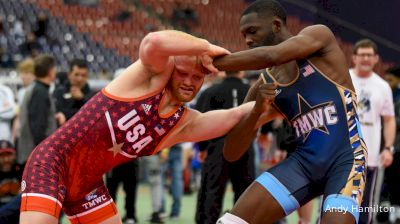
column 176, row 115
column 116, row 148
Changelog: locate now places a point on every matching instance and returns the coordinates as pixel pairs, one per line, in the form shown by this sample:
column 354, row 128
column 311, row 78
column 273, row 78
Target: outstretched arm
column 212, row 124
column 309, row 41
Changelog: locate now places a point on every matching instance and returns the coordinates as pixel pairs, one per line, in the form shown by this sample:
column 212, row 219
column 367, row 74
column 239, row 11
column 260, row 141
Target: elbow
column 229, row 156
column 151, row 41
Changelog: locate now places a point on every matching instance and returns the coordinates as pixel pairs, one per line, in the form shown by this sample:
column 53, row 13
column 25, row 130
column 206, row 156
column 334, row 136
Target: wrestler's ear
column 276, row 25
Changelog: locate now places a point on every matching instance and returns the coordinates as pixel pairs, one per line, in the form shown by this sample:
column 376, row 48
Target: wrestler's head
column 187, row 78
column 262, row 23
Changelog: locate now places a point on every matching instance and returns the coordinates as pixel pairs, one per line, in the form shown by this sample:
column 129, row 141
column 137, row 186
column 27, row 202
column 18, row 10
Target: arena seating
column 110, row 44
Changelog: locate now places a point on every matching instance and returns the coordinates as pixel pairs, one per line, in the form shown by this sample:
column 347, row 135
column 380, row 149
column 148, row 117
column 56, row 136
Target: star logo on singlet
column 315, row 117
column 176, row 115
column 116, row 148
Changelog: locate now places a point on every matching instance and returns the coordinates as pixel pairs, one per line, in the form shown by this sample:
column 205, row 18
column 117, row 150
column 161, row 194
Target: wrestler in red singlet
column 127, row 128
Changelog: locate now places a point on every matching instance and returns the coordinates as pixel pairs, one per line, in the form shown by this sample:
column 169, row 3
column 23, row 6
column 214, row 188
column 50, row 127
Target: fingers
column 268, row 86
column 267, row 91
column 206, row 62
column 265, row 96
column 215, row 50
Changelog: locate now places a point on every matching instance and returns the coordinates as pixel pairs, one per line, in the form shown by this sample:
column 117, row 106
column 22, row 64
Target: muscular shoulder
column 137, row 80
column 322, row 36
column 181, row 132
column 190, row 115
column 319, row 30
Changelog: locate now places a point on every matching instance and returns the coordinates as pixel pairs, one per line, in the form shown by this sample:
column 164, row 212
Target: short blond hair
column 26, row 66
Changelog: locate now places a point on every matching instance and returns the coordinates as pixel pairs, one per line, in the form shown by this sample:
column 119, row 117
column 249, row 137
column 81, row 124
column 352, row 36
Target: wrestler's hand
column 214, row 51
column 208, row 57
column 206, row 62
column 265, row 96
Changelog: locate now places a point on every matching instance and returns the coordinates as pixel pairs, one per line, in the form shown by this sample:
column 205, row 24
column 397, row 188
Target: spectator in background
column 174, row 168
column 10, row 172
column 124, row 14
column 10, row 178
column 7, row 112
column 375, row 101
column 31, row 47
column 184, row 16
column 3, row 44
column 392, row 76
column 61, row 79
column 392, row 180
column 153, row 166
column 42, row 24
column 71, row 96
column 216, row 171
column 126, row 173
column 25, row 71
column 38, row 116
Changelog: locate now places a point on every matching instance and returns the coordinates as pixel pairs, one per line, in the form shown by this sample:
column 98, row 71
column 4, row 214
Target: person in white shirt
column 375, row 102
column 7, row 112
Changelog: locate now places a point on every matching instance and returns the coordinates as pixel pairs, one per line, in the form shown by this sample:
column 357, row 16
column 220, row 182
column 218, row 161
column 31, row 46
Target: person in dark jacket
column 216, row 170
column 71, row 96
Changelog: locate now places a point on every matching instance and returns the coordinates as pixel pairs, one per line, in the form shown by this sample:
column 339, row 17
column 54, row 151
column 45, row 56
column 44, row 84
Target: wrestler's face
column 365, row 59
column 187, row 78
column 258, row 30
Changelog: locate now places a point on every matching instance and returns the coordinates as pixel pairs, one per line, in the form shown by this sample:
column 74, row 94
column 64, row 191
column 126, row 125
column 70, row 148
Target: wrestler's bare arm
column 242, row 135
column 310, row 40
column 157, row 47
column 155, row 65
column 212, row 124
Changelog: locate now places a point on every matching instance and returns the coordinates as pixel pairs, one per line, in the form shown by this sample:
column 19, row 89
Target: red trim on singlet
column 40, row 203
column 123, row 99
column 99, row 215
column 172, row 130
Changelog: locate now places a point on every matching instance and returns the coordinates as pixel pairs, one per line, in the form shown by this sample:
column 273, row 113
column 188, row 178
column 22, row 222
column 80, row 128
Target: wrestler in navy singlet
column 330, row 156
